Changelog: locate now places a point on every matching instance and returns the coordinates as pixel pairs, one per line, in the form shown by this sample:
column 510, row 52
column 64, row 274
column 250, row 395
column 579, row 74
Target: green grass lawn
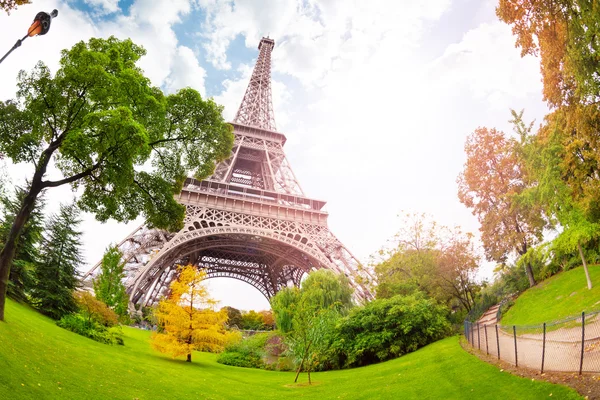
column 39, row 360
column 563, row 295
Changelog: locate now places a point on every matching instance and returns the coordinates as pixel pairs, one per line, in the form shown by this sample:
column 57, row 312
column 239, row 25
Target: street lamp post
column 39, row 26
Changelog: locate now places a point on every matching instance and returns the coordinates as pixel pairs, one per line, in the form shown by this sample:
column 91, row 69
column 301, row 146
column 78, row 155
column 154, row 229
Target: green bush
column 387, row 328
column 77, row 323
column 240, row 360
column 248, row 352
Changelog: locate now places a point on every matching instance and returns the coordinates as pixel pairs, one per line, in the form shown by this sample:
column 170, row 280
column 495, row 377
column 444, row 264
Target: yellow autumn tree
column 188, row 319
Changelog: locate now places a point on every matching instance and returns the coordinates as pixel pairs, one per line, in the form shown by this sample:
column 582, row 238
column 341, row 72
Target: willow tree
column 121, row 142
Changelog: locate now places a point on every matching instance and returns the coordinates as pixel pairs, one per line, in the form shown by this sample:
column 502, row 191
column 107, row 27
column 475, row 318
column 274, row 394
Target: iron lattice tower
column 249, row 221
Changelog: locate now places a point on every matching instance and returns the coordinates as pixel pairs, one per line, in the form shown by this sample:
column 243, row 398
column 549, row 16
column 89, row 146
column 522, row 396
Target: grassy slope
column 38, row 360
column 558, row 297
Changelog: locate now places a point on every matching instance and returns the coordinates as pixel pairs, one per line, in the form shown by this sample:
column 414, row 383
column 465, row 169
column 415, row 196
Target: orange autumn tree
column 493, row 178
column 188, row 319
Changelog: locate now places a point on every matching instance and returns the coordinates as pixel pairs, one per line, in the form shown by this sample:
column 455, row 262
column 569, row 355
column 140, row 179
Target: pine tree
column 60, row 255
column 108, row 286
column 187, row 318
column 21, row 278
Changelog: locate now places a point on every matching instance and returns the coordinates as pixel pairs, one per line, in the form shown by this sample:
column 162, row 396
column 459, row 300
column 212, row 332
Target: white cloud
column 104, row 6
column 185, row 72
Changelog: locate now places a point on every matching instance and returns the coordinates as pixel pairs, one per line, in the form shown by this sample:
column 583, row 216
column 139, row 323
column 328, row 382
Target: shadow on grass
column 300, row 385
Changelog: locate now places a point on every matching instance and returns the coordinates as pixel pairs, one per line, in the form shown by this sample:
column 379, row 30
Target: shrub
column 83, row 326
column 387, row 328
column 95, row 310
column 248, row 352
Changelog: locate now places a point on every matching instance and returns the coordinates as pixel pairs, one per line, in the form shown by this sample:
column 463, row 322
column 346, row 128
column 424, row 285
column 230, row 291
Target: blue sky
column 376, row 98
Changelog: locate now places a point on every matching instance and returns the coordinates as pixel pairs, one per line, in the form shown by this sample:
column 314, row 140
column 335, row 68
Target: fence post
column 487, row 350
column 543, row 348
column 582, row 341
column 472, row 335
column 478, row 337
column 497, row 341
column 515, row 336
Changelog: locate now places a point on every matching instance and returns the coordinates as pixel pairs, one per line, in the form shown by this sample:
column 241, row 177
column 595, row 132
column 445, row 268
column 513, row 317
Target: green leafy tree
column 574, row 211
column 307, row 315
column 21, row 277
column 60, row 255
column 252, row 320
column 101, row 124
column 108, row 285
column 283, row 307
column 234, row 317
column 310, row 337
column 431, row 259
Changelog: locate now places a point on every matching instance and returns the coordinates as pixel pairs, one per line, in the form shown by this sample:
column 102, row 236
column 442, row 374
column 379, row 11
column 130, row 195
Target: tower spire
column 257, row 106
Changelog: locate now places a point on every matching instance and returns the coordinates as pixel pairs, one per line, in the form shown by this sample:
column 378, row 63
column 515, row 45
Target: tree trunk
column 585, row 268
column 529, row 272
column 189, row 357
column 299, row 369
column 8, row 251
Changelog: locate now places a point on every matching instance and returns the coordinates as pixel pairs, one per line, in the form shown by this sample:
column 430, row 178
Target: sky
column 376, row 98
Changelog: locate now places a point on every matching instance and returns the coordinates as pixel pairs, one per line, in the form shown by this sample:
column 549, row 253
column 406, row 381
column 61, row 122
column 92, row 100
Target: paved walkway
column 562, row 350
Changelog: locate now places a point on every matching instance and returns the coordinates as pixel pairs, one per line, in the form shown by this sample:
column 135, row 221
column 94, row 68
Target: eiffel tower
column 249, row 221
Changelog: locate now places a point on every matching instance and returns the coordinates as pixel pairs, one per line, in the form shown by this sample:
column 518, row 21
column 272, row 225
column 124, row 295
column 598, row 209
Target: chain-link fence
column 568, row 345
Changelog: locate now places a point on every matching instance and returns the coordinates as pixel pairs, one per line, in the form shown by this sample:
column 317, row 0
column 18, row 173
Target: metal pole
column 17, row 44
column 543, row 348
column 498, row 341
column 515, row 336
column 472, row 335
column 582, row 341
column 487, row 349
column 478, row 338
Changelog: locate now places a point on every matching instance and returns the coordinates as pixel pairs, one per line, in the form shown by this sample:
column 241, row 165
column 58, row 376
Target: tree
column 268, row 319
column 410, row 264
column 457, row 266
column 21, row 277
column 310, row 334
column 234, row 317
column 108, row 285
column 493, row 178
column 101, row 124
column 60, row 255
column 328, row 290
column 252, row 320
column 283, row 307
column 186, row 326
column 307, row 315
column 429, row 258
column 95, row 310
column 565, row 35
column 576, row 211
column 9, row 5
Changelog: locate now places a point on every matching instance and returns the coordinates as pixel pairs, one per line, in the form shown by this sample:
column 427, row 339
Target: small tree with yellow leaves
column 188, row 318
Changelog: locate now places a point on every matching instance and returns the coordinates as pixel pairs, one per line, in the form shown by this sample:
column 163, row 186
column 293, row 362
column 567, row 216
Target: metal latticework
column 257, row 105
column 249, row 221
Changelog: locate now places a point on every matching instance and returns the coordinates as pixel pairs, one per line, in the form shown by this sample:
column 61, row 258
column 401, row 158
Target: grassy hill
column 38, row 361
column 558, row 297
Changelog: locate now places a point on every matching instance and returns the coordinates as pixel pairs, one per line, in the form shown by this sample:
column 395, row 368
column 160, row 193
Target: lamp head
column 41, row 23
